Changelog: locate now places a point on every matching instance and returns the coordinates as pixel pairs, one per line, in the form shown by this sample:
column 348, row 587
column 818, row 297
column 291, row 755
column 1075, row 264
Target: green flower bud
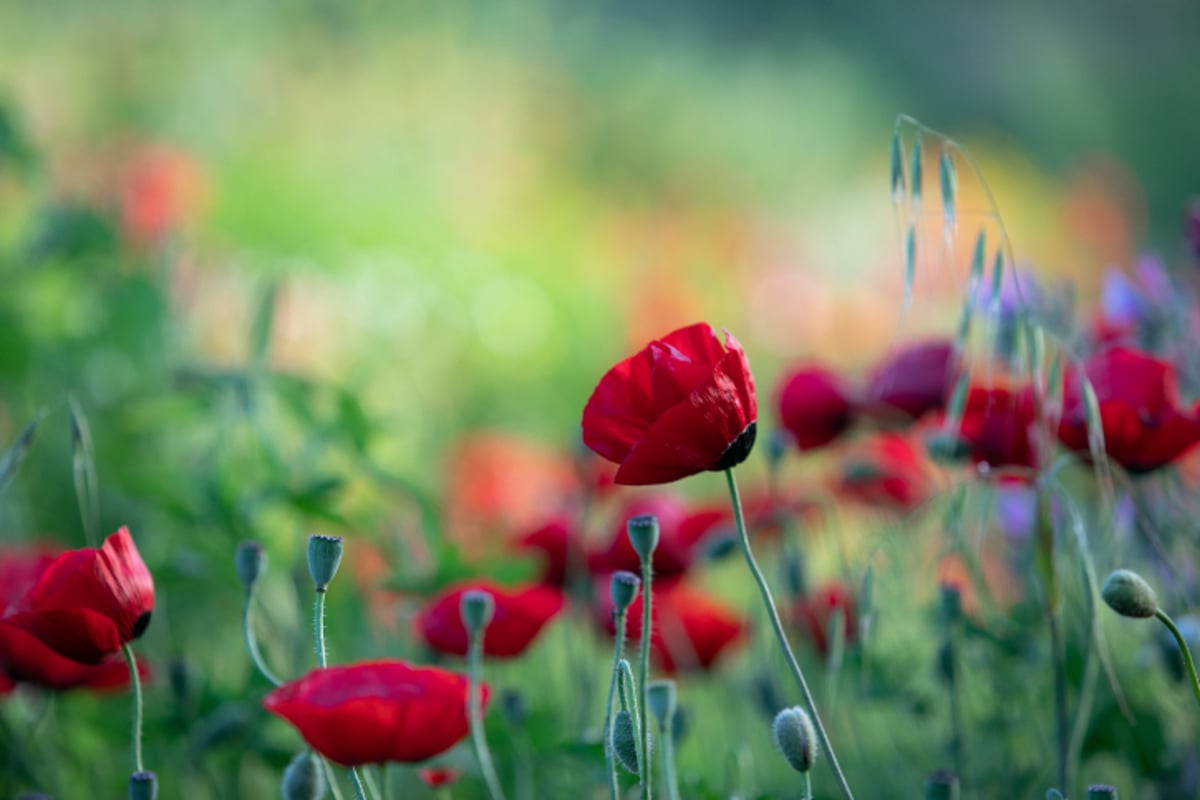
column 662, row 699
column 324, row 558
column 1128, row 594
column 942, row 785
column 643, row 535
column 624, row 589
column 143, row 786
column 304, row 779
column 476, row 608
column 624, row 741
column 1101, row 792
column 251, row 563
column 796, row 738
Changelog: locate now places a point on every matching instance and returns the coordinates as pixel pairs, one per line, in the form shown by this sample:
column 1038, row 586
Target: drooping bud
column 942, row 785
column 476, row 608
column 624, row 589
column 143, row 786
column 304, row 779
column 796, row 738
column 251, row 563
column 1101, row 792
column 1128, row 594
column 624, row 741
column 643, row 535
column 324, row 558
column 661, row 696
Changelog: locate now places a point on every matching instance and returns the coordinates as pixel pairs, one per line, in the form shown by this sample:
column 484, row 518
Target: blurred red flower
column 159, row 190
column 813, row 614
column 690, row 629
column 558, row 544
column 915, row 379
column 682, row 405
column 999, row 427
column 681, row 530
column 1145, row 427
column 815, row 407
column 433, row 777
column 887, row 471
column 86, row 604
column 520, row 615
column 376, row 711
column 24, row 657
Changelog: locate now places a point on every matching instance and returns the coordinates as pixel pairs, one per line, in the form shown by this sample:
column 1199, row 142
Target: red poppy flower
column 887, row 471
column 87, row 603
column 680, row 406
column 559, row 546
column 681, row 530
column 376, row 711
column 998, row 426
column 815, row 407
column 520, row 615
column 915, row 379
column 814, row 612
column 1144, row 426
column 434, row 777
column 690, row 629
column 159, row 191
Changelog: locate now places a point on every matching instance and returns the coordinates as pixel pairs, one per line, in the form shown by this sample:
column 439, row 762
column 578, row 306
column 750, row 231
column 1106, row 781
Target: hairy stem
column 644, row 677
column 135, row 682
column 614, row 785
column 475, row 715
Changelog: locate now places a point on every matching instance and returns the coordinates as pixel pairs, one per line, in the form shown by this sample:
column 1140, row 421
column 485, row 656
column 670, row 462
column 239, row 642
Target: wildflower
column 520, row 614
column 915, row 379
column 814, row 406
column 814, row 612
column 681, row 530
column 886, row 471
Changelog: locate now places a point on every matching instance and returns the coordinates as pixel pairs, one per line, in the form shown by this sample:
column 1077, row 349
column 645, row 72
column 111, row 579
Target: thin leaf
column 17, row 452
column 83, row 468
column 264, row 321
column 897, row 168
column 997, row 279
column 910, row 265
column 949, row 182
column 916, row 158
column 977, row 260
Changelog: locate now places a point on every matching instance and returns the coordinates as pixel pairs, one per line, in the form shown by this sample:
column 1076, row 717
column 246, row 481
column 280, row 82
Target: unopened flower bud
column 643, row 535
column 143, row 786
column 796, row 738
column 304, row 779
column 661, row 696
column 1128, row 594
column 624, row 741
column 251, row 563
column 324, row 558
column 624, row 589
column 477, row 608
column 942, row 785
column 1101, row 792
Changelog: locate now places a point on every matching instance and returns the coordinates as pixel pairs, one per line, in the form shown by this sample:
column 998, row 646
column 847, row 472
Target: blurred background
column 285, row 256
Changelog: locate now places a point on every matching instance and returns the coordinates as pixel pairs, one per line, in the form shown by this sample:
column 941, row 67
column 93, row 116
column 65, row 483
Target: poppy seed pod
column 942, row 785
column 143, row 786
column 796, row 738
column 643, row 535
column 662, row 698
column 303, row 779
column 324, row 558
column 1128, row 594
column 251, row 563
column 624, row 741
column 477, row 608
column 1101, row 792
column 624, row 590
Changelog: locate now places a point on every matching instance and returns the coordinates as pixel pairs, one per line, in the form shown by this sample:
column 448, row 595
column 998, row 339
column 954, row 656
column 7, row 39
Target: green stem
column 1061, row 725
column 644, row 676
column 614, row 784
column 773, row 614
column 330, row 776
column 135, row 682
column 369, row 781
column 319, row 628
column 475, row 715
column 807, row 781
column 252, row 642
column 668, row 757
column 385, row 782
column 1183, row 648
column 356, row 781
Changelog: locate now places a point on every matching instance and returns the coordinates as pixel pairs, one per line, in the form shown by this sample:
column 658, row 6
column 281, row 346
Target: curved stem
column 777, row 625
column 644, row 676
column 475, row 715
column 614, row 785
column 252, row 642
column 135, row 682
column 356, row 781
column 319, row 628
column 1183, row 648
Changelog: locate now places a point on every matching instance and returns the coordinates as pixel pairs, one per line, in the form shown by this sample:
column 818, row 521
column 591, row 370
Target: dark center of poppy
column 142, row 623
column 738, row 450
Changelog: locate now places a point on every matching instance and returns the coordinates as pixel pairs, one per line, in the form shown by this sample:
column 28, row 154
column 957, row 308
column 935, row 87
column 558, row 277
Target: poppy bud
column 624, row 741
column 795, row 737
column 942, row 785
column 304, row 779
column 251, row 563
column 643, row 535
column 324, row 557
column 1101, row 792
column 662, row 699
column 143, row 786
column 477, row 608
column 624, row 589
column 1128, row 594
